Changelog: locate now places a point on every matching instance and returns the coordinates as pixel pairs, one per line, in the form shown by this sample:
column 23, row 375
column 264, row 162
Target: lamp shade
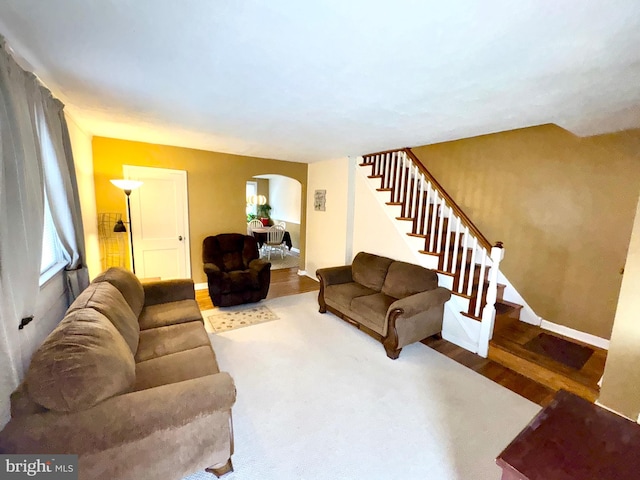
column 127, row 185
column 256, row 199
column 119, row 227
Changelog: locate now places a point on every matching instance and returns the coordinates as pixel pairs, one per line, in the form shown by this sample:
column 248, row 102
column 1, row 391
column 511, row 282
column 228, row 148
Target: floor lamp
column 127, row 186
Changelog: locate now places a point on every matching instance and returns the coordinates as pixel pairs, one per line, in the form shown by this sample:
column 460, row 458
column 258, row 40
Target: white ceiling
column 318, row 79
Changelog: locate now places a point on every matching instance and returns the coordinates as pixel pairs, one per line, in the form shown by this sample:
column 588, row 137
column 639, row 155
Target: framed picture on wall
column 319, row 200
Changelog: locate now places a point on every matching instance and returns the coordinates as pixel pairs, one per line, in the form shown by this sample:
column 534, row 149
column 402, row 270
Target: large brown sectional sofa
column 129, row 382
column 397, row 303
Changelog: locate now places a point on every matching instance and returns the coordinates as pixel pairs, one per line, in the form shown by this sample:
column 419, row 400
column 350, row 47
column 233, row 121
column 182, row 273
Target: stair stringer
column 527, row 314
column 457, row 328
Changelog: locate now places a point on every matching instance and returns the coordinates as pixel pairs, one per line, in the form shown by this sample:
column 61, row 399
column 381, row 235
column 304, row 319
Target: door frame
column 128, row 170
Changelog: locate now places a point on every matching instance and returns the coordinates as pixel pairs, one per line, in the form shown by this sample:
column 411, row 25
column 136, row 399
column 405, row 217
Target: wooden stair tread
column 394, row 203
column 374, row 176
column 515, row 306
column 508, row 344
column 366, row 164
column 473, row 317
column 384, row 189
column 539, row 373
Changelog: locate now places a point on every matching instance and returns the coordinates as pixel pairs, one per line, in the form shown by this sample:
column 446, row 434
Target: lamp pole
column 133, row 258
column 127, row 186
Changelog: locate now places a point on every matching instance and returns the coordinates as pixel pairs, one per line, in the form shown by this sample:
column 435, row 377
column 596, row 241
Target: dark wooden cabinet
column 573, row 439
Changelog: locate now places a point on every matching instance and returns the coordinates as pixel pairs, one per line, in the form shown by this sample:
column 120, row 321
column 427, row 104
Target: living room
column 562, row 170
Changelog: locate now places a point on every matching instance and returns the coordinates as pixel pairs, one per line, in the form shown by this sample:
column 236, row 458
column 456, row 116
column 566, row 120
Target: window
column 252, row 190
column 51, row 250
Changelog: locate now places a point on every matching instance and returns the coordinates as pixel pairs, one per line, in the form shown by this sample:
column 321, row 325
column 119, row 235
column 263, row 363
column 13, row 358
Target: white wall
column 284, row 198
column 83, row 159
column 328, row 232
column 374, row 231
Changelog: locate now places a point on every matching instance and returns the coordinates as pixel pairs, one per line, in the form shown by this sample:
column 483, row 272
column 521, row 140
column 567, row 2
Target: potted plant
column 263, row 212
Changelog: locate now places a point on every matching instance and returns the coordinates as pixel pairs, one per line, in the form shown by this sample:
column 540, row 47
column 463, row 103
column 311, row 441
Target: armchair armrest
column 334, row 275
column 258, row 265
column 212, row 269
column 168, row 291
column 115, row 424
column 419, row 302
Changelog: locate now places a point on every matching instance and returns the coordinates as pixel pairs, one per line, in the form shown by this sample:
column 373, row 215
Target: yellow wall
column 216, row 182
column 83, row 161
column 562, row 205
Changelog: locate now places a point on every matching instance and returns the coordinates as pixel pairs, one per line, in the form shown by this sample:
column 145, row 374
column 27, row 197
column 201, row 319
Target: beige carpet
column 230, row 318
column 319, row 399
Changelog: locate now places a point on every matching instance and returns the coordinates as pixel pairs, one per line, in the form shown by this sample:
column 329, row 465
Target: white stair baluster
column 456, row 245
column 463, row 262
column 483, row 265
column 443, row 206
column 472, row 266
column 434, row 218
column 447, row 243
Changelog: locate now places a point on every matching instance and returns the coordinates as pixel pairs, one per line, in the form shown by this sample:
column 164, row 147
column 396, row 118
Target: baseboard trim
column 302, row 273
column 575, row 334
column 597, row 402
column 200, row 286
column 295, row 249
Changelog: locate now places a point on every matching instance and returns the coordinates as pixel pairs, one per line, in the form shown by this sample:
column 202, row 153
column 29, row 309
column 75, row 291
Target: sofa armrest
column 419, row 302
column 164, row 291
column 122, row 420
column 334, row 275
column 259, row 265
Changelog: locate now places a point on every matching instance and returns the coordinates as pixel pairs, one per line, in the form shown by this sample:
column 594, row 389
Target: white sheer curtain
column 35, row 152
column 61, row 186
column 21, row 217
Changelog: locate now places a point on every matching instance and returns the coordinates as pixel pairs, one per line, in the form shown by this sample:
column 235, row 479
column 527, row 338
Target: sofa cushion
column 128, row 284
column 82, row 362
column 404, row 279
column 107, row 299
column 342, row 293
column 176, row 367
column 370, row 270
column 156, row 342
column 372, row 310
column 170, row 313
column 22, row 403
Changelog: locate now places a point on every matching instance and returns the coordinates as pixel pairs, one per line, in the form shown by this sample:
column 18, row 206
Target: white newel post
column 489, row 310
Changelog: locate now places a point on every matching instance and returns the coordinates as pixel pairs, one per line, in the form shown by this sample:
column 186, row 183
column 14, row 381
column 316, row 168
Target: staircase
column 445, row 239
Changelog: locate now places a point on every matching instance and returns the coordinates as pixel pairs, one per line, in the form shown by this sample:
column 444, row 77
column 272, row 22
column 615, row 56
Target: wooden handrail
column 456, row 208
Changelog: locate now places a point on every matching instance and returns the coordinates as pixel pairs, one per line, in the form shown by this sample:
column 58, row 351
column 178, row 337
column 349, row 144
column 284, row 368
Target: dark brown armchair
column 235, row 273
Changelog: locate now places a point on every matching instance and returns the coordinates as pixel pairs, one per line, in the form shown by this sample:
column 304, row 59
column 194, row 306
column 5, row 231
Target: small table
column 573, row 439
column 260, row 234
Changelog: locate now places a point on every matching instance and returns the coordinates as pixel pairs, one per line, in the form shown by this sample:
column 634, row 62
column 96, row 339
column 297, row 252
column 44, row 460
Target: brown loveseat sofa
column 395, row 302
column 129, row 382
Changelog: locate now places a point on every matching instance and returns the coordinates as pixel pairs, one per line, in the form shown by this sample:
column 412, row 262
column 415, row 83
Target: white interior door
column 160, row 222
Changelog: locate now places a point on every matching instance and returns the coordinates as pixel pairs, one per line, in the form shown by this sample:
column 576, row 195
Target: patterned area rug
column 224, row 319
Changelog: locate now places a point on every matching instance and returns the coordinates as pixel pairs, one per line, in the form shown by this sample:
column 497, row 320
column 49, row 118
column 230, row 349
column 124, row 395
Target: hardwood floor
column 288, row 282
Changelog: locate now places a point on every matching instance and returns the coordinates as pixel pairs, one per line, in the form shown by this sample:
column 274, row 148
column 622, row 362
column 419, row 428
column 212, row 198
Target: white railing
column 463, row 251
